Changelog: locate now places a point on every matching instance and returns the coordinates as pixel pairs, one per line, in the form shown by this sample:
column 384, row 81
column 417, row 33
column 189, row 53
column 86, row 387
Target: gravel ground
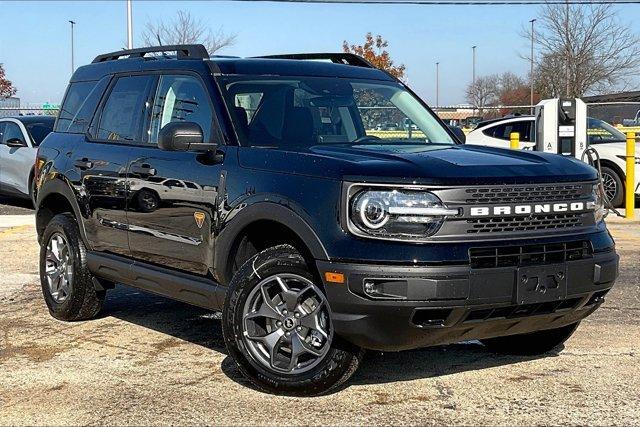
column 148, row 360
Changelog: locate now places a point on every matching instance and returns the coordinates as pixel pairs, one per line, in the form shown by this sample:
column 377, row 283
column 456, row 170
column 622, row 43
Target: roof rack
column 337, row 58
column 183, row 51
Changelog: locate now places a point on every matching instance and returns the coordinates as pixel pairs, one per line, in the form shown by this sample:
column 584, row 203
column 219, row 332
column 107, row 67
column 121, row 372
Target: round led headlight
column 397, row 214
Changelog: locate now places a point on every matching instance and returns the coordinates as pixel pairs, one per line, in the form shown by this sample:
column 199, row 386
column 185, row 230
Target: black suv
column 259, row 187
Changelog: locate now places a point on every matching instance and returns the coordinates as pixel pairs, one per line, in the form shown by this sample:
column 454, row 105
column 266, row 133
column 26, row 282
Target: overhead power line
column 455, row 2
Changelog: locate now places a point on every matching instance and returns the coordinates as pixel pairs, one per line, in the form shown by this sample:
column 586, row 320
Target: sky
column 35, row 44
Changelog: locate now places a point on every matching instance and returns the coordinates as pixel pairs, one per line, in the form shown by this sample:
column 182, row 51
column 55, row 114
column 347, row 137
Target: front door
column 16, row 162
column 172, row 195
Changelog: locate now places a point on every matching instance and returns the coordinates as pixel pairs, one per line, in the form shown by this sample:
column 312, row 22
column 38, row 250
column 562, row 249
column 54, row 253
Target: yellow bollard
column 515, row 140
column 631, row 166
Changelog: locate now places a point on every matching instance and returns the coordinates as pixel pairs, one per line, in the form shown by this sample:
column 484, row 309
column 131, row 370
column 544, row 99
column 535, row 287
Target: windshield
column 290, row 112
column 600, row 132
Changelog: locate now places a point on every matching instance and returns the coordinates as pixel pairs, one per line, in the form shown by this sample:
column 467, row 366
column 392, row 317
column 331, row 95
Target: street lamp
column 531, row 72
column 437, row 84
column 73, row 68
column 129, row 26
column 473, row 78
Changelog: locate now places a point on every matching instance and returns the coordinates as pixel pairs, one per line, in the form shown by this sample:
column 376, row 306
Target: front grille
column 524, row 223
column 526, row 194
column 527, row 255
column 516, row 311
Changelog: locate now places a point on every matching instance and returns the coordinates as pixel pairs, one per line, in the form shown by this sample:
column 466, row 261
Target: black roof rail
column 337, row 58
column 183, row 51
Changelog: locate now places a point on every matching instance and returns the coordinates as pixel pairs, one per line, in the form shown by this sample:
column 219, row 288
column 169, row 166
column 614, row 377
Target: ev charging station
column 561, row 126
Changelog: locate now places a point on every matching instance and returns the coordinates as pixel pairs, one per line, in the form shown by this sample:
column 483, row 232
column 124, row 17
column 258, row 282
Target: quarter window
column 180, row 99
column 124, row 111
column 75, row 98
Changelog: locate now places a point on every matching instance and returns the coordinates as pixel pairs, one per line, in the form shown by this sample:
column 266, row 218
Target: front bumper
column 446, row 304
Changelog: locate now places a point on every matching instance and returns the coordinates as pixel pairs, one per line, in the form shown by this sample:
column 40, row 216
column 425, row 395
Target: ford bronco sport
column 260, row 188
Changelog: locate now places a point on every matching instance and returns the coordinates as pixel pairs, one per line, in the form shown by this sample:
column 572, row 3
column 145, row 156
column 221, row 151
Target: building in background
column 9, row 106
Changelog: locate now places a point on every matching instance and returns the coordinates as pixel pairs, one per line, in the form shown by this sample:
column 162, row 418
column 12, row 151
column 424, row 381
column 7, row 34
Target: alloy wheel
column 610, row 186
column 59, row 268
column 286, row 324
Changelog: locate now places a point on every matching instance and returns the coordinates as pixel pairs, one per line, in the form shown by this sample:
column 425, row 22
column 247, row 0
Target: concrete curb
column 9, row 221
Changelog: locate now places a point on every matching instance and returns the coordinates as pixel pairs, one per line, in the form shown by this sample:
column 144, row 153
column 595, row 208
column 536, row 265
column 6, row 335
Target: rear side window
column 504, row 130
column 124, row 111
column 73, row 101
column 38, row 131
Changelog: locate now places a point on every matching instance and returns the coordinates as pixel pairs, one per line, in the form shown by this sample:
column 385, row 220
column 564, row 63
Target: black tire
column 339, row 362
column 617, row 201
column 147, row 200
column 534, row 343
column 83, row 301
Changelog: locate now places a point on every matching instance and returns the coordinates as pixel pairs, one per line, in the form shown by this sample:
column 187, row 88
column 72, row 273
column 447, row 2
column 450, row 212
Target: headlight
column 599, row 208
column 397, row 214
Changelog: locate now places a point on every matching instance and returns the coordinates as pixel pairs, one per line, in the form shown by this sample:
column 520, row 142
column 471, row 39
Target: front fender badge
column 199, row 217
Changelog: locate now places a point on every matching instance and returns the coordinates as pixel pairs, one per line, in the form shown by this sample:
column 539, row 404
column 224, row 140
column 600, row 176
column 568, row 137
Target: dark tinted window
column 76, row 96
column 504, row 130
column 124, row 111
column 180, row 99
column 38, row 131
column 2, row 126
column 600, row 132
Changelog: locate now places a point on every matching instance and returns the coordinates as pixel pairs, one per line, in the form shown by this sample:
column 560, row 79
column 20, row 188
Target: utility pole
column 473, row 72
column 129, row 26
column 73, row 68
column 568, row 59
column 532, row 53
column 437, row 84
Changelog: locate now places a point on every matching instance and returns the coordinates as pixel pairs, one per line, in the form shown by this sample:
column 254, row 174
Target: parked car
column 319, row 241
column 19, row 139
column 388, row 126
column 608, row 141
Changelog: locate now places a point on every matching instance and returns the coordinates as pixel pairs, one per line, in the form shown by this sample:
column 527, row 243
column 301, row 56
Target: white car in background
column 19, row 140
column 608, row 141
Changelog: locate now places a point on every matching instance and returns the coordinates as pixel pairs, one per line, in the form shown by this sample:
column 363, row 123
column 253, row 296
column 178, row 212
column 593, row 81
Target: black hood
column 421, row 164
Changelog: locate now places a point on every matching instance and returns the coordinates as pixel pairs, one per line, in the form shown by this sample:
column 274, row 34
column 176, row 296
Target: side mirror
column 16, row 143
column 183, row 136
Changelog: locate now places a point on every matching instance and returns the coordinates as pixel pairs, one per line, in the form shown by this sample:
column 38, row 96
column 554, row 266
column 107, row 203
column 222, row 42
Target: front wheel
column 277, row 327
column 530, row 344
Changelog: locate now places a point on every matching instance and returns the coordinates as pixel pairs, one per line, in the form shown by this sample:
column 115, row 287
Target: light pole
column 531, row 72
column 437, row 84
column 473, row 71
column 73, row 68
column 129, row 26
column 568, row 59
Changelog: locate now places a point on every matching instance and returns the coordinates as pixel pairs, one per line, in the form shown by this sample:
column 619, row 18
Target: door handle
column 143, row 169
column 83, row 163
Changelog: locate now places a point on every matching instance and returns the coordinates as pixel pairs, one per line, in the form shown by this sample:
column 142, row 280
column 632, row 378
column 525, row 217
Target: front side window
column 180, row 99
column 38, row 131
column 11, row 131
column 124, row 111
column 504, row 131
column 294, row 112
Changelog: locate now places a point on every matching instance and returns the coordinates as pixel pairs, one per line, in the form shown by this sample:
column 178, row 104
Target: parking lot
column 148, row 360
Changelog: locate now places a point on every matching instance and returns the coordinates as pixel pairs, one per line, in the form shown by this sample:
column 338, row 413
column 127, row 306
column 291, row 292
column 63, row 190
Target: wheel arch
column 264, row 224
column 56, row 197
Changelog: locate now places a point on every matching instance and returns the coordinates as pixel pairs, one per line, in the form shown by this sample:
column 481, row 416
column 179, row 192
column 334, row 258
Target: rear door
column 101, row 161
column 172, row 195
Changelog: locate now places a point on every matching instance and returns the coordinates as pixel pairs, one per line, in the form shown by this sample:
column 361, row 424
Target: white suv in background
column 607, row 140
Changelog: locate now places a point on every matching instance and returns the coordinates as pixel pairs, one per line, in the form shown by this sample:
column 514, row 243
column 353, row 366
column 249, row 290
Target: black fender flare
column 60, row 187
column 270, row 211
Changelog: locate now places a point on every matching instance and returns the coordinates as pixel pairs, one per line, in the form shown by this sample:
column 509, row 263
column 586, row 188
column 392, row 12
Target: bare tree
column 583, row 49
column 186, row 29
column 484, row 92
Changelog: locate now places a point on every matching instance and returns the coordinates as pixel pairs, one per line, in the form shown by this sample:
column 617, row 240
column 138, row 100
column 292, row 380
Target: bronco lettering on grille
column 532, row 209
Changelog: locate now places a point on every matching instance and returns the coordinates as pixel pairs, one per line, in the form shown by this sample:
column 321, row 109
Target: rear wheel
column 613, row 186
column 67, row 284
column 531, row 344
column 277, row 327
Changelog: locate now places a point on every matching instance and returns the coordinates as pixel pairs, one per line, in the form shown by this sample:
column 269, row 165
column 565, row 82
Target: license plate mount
column 541, row 283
